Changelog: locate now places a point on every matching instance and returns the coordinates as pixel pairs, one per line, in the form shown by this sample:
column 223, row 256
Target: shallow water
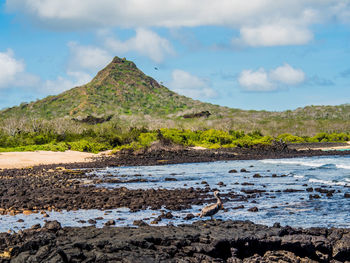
column 294, row 209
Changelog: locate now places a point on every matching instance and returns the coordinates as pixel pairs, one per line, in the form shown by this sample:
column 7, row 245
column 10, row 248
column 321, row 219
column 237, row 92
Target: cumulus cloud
column 10, row 67
column 189, row 85
column 263, row 81
column 12, row 72
column 287, row 75
column 255, row 80
column 61, row 84
column 273, row 35
column 87, row 57
column 266, row 23
column 145, row 42
column 13, row 75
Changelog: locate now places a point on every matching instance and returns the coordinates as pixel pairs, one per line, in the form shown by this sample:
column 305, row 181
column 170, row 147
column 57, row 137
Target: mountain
column 120, row 88
column 121, row 91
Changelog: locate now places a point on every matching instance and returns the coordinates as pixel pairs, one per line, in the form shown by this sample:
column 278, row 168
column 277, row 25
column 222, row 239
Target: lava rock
column 52, row 225
column 110, row 223
column 253, row 209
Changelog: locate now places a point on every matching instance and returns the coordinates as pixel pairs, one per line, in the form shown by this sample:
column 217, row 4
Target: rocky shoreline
column 60, row 187
column 203, row 241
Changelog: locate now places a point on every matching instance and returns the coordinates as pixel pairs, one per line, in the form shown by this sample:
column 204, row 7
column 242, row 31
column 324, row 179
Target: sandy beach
column 9, row 160
column 18, row 160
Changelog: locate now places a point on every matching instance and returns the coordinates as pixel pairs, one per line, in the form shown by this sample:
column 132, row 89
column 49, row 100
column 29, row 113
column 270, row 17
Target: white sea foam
column 327, row 182
column 341, row 163
column 343, row 166
column 296, row 162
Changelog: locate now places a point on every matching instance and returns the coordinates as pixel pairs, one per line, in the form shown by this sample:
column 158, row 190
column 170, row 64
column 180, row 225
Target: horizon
column 275, row 57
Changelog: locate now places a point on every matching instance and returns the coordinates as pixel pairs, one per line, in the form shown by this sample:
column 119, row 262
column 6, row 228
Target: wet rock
column 52, row 225
column 139, row 223
column 36, row 226
column 277, row 225
column 189, row 216
column 203, row 241
column 292, row 190
column 170, row 179
column 253, row 209
column 257, row 176
column 316, row 196
column 20, row 220
column 238, row 207
column 92, row 221
column 110, row 223
column 324, row 191
column 310, row 189
column 232, row 171
column 221, row 183
column 347, row 195
column 246, row 183
column 252, row 191
column 243, row 170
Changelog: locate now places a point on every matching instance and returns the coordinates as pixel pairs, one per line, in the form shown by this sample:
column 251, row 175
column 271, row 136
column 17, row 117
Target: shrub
column 290, row 138
column 86, row 146
column 145, row 139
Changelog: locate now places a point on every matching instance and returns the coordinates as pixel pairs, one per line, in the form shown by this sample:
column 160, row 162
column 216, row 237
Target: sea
column 281, row 203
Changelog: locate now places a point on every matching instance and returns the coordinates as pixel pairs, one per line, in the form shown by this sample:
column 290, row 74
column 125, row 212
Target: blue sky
column 259, row 54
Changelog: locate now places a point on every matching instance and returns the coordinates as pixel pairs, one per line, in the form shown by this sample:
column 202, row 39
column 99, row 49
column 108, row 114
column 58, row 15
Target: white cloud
column 261, row 22
column 145, row 42
column 273, row 35
column 287, row 75
column 63, row 83
column 14, row 75
column 263, row 81
column 10, row 67
column 88, row 57
column 189, row 85
column 255, row 80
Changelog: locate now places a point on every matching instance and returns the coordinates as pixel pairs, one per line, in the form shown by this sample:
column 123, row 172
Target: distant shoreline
column 74, row 159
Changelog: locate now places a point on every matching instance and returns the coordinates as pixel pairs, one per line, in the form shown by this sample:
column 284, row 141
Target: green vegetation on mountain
column 119, row 89
column 124, row 97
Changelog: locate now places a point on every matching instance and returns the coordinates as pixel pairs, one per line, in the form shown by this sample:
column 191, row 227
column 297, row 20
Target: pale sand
column 330, row 148
column 29, row 159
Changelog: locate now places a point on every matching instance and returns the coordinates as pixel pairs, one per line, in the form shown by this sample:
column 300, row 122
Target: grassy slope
column 122, row 90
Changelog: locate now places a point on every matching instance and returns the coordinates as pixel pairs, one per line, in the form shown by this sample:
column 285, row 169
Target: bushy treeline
column 217, row 138
column 87, row 138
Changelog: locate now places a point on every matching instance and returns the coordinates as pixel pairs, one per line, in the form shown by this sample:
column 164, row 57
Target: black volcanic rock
column 203, row 241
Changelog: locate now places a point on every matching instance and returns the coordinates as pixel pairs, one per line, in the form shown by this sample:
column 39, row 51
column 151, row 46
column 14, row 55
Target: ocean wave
column 316, row 163
column 343, row 166
column 327, row 182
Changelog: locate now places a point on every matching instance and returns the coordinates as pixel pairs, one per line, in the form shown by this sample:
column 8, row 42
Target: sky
column 257, row 55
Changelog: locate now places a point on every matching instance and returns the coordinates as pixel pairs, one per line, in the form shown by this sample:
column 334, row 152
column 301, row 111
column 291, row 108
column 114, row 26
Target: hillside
column 120, row 88
column 122, row 92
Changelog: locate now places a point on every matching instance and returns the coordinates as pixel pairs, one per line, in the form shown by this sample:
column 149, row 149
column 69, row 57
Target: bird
column 155, row 68
column 212, row 209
